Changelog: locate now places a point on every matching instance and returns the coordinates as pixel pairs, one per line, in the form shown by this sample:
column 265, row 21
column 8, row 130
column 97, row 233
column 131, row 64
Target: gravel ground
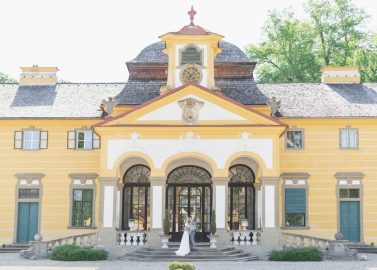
column 14, row 262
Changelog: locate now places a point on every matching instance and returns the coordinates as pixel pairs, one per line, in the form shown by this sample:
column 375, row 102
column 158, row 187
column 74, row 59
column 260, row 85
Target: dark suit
column 192, row 236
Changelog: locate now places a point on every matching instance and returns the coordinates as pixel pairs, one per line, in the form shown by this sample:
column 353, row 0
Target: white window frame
column 293, row 129
column 91, row 140
column 347, row 140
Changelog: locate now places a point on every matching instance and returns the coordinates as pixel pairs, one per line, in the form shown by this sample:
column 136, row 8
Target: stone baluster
column 134, row 239
column 141, row 239
column 122, row 238
column 128, row 239
column 236, row 236
column 254, row 239
column 248, row 238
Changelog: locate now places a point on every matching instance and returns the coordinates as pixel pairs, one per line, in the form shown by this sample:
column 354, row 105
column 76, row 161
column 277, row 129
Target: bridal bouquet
column 189, row 228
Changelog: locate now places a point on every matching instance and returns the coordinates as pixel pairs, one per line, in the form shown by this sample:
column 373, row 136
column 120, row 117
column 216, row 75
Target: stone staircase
column 15, row 248
column 363, row 248
column 203, row 253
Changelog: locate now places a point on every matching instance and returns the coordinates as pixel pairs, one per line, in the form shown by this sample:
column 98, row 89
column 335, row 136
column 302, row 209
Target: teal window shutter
column 295, row 206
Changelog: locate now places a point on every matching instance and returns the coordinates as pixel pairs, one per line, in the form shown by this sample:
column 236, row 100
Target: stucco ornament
column 274, row 106
column 190, row 110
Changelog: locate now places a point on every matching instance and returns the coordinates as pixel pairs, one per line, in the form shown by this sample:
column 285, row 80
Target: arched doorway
column 189, row 192
column 136, row 198
column 241, row 200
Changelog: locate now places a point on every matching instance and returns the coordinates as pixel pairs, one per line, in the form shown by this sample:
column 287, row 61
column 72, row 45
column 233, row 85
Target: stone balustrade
column 298, row 240
column 40, row 249
column 83, row 240
column 246, row 237
column 132, row 238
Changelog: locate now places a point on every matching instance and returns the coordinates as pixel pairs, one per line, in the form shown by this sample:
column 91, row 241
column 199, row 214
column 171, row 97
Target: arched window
column 136, row 202
column 241, row 200
column 191, row 54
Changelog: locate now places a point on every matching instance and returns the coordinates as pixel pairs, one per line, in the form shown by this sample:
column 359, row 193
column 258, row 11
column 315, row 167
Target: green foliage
column 77, row 253
column 213, row 228
column 166, row 222
column 6, row 79
column 296, row 254
column 293, row 50
column 181, row 266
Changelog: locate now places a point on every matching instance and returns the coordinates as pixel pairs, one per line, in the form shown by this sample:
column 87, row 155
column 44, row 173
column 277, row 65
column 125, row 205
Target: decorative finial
column 192, row 13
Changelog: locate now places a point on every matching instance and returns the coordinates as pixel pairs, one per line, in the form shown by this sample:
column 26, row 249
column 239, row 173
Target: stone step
column 363, row 248
column 13, row 248
column 202, row 254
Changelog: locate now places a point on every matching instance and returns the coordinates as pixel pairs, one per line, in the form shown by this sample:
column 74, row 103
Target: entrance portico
column 190, row 169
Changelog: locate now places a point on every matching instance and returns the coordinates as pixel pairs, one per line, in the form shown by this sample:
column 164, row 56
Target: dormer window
column 191, row 54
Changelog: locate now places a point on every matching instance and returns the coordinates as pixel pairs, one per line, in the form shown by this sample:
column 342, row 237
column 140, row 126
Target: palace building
column 189, row 132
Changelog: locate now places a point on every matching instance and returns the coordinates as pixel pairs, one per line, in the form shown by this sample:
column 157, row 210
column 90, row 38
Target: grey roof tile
column 60, row 101
column 323, row 100
column 83, row 100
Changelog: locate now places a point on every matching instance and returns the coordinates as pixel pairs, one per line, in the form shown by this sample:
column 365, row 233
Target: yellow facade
column 234, row 133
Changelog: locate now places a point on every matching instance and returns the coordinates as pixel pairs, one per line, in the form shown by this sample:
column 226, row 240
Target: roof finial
column 192, row 13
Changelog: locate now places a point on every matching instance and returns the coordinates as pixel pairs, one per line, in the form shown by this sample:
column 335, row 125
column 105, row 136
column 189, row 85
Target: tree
column 340, row 28
column 4, row 78
column 287, row 53
column 336, row 34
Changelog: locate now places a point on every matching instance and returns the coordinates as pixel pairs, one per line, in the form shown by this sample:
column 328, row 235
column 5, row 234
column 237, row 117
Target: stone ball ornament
column 339, row 236
column 38, row 237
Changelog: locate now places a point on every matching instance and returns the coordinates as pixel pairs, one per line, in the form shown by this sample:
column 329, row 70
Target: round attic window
column 191, row 73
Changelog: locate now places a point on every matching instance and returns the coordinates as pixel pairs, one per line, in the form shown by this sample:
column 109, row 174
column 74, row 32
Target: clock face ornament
column 191, row 73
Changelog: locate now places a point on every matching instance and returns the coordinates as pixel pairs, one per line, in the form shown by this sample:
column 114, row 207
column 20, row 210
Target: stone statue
column 107, row 107
column 274, row 106
column 190, row 110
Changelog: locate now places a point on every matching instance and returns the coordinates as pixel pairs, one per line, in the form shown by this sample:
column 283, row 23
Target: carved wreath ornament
column 190, row 110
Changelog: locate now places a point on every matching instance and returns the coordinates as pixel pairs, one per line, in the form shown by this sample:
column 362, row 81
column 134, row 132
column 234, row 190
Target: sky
column 90, row 40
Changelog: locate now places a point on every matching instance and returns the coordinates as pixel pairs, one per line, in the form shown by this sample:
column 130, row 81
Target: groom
column 192, row 223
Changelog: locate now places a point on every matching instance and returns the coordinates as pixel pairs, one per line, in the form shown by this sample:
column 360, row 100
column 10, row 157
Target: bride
column 184, row 247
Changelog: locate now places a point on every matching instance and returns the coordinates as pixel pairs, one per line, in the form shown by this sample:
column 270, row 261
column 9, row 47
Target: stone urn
column 131, row 224
column 165, row 240
column 213, row 239
column 244, row 223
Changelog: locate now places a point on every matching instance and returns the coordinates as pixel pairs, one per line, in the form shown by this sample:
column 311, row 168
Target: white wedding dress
column 184, row 247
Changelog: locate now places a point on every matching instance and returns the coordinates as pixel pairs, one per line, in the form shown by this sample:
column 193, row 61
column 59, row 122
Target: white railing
column 298, row 240
column 246, row 237
column 83, row 240
column 131, row 238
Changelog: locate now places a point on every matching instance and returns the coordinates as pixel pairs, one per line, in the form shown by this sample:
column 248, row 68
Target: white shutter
column 43, row 144
column 18, row 139
column 96, row 141
column 71, row 139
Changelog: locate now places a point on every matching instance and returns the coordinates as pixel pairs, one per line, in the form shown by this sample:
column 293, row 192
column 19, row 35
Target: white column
column 270, row 209
column 107, row 234
column 220, row 205
column 157, row 210
column 157, row 206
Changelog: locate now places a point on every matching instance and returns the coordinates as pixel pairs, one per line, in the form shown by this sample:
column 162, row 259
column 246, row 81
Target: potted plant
column 165, row 237
column 212, row 236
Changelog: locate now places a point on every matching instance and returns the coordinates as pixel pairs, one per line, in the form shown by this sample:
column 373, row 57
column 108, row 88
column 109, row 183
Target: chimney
column 36, row 75
column 340, row 75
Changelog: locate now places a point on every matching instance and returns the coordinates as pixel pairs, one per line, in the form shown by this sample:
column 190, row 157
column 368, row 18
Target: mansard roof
column 81, row 100
column 153, row 54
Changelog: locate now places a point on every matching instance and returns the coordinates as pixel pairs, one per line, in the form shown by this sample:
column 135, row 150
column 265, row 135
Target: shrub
column 77, row 253
column 166, row 223
column 212, row 228
column 183, row 266
column 297, row 254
